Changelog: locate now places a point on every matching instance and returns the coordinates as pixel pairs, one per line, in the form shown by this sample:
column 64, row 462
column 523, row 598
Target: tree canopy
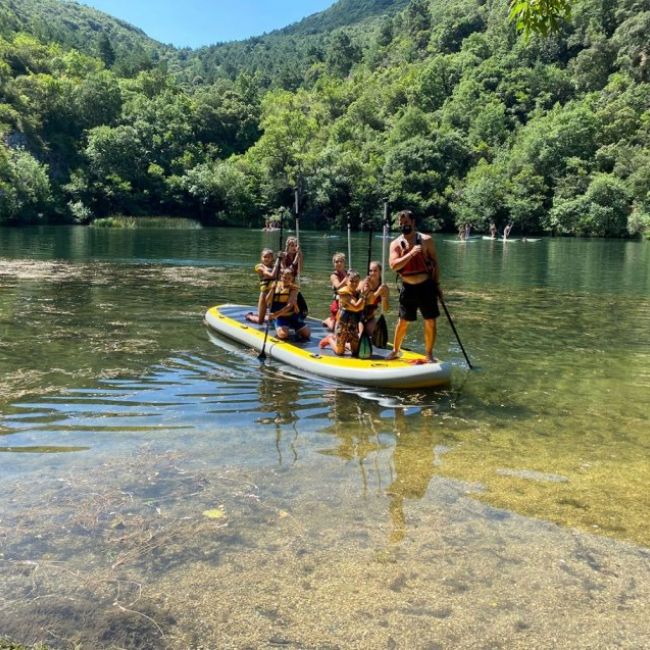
column 446, row 109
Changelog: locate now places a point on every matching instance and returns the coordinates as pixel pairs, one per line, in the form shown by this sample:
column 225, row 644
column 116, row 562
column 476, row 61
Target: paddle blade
column 380, row 333
column 302, row 305
column 365, row 347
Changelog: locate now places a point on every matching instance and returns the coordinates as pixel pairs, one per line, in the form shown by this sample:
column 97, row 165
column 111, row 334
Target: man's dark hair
column 406, row 213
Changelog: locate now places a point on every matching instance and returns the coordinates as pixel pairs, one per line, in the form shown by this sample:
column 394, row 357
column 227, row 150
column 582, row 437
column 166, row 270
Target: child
column 351, row 304
column 338, row 279
column 292, row 257
column 265, row 271
column 282, row 297
column 377, row 293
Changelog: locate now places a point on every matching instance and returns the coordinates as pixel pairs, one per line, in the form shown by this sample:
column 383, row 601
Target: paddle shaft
column 296, row 206
column 262, row 355
column 384, row 238
column 349, row 246
column 369, row 249
column 453, row 327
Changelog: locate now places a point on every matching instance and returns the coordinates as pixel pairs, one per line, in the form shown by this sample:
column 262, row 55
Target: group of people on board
column 494, row 233
column 356, row 304
column 465, row 231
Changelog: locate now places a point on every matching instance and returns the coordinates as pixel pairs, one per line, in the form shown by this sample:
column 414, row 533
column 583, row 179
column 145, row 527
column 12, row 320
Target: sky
column 193, row 23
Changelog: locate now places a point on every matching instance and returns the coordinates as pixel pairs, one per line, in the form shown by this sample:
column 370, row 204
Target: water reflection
column 279, row 396
column 414, row 464
column 397, row 451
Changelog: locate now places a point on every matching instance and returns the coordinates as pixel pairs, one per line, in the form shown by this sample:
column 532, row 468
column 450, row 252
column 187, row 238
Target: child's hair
column 353, row 275
column 290, row 240
column 266, row 251
column 338, row 256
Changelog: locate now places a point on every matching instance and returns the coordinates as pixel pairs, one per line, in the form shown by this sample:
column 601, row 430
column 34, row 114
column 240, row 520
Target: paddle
column 262, row 355
column 297, row 217
column 369, row 247
column 365, row 342
column 453, row 327
column 302, row 303
column 380, row 333
column 349, row 246
column 384, row 237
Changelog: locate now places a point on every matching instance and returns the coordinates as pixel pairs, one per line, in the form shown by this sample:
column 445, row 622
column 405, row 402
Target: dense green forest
column 439, row 106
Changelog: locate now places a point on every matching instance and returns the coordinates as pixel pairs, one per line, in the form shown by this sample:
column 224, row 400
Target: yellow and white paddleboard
column 409, row 371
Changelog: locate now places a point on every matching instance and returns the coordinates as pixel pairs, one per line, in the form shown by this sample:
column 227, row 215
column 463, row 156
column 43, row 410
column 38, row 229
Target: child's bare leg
column 261, row 308
column 339, row 343
column 282, row 333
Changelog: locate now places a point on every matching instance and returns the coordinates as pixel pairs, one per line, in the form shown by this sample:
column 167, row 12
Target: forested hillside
column 345, row 13
column 284, row 57
column 122, row 46
column 441, row 107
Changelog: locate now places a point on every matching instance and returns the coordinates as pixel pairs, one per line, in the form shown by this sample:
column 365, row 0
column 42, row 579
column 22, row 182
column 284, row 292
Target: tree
column 631, row 40
column 98, row 100
column 482, row 197
column 602, row 211
column 225, row 118
column 342, row 53
column 105, row 49
column 538, row 16
column 25, row 194
column 221, row 191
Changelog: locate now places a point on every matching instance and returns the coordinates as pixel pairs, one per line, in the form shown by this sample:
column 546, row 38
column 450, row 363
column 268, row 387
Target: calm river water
column 162, row 489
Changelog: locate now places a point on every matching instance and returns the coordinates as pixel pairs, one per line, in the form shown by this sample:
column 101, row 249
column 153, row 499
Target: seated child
column 282, row 297
column 265, row 271
column 377, row 301
column 351, row 304
column 338, row 279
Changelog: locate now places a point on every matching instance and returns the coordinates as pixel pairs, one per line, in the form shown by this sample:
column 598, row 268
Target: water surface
column 336, row 517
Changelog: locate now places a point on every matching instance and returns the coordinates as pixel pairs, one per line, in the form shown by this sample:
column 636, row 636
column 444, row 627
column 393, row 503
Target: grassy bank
column 169, row 223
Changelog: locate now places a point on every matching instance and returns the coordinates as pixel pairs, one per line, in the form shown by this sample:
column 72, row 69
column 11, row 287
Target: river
column 163, row 489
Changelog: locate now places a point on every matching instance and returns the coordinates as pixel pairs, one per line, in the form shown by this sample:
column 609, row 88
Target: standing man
column 413, row 256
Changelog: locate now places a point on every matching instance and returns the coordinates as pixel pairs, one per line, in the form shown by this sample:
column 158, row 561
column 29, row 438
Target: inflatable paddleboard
column 504, row 241
column 409, row 371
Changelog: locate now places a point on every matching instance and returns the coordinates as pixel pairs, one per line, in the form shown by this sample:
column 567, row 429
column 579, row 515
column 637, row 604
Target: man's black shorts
column 423, row 296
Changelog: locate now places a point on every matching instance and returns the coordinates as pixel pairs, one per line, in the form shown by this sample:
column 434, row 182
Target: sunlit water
column 161, row 488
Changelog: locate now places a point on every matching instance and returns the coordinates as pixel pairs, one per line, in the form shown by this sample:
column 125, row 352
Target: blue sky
column 195, row 23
